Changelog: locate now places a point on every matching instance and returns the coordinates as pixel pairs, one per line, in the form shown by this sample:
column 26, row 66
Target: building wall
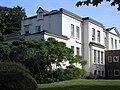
column 51, row 23
column 112, row 65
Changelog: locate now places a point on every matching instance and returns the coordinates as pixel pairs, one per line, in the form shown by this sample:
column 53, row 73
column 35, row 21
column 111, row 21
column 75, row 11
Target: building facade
column 85, row 36
column 112, row 66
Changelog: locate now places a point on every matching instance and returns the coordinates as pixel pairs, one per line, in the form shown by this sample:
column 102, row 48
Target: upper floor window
column 115, row 58
column 98, row 36
column 72, row 30
column 93, row 34
column 77, row 32
column 77, row 50
column 38, row 28
column 109, row 59
column 40, row 15
column 26, row 29
column 115, row 44
column 112, row 43
column 94, row 56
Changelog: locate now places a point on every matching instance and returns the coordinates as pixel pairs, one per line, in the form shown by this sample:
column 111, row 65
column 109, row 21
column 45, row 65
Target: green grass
column 82, row 84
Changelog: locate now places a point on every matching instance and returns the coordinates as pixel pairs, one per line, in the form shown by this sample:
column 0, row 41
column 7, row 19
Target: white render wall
column 51, row 23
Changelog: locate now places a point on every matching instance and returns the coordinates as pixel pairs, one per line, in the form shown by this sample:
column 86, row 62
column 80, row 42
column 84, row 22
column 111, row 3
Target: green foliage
column 38, row 55
column 10, row 19
column 14, row 76
column 2, row 37
column 4, row 52
column 97, row 2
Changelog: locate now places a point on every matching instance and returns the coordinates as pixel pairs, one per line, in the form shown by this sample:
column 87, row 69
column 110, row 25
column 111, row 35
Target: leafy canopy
column 96, row 2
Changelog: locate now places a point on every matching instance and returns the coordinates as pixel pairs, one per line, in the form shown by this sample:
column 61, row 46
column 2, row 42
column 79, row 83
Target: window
column 99, row 73
column 112, row 43
column 38, row 28
column 95, row 72
column 77, row 51
column 109, row 59
column 109, row 72
column 98, row 56
column 98, row 36
column 101, row 57
column 72, row 48
column 40, row 15
column 115, row 44
column 102, row 73
column 115, row 58
column 116, row 72
column 94, row 56
column 93, row 34
column 26, row 29
column 72, row 30
column 77, row 32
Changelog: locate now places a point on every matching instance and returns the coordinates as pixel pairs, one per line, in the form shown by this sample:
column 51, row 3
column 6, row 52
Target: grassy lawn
column 82, row 84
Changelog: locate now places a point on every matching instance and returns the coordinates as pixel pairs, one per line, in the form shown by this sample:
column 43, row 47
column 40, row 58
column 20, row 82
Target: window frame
column 115, row 60
column 98, row 36
column 118, row 72
column 93, row 34
column 77, row 32
column 72, row 30
column 108, row 59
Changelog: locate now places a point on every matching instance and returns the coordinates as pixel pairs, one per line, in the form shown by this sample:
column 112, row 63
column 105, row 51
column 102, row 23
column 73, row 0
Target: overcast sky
column 104, row 13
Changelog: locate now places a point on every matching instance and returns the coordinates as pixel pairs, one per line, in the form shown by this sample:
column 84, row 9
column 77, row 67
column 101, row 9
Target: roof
column 109, row 29
column 60, row 11
column 93, row 21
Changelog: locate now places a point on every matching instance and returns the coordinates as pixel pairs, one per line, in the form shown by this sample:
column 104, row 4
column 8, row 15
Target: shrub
column 14, row 76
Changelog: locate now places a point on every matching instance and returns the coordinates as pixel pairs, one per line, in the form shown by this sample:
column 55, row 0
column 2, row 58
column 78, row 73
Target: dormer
column 40, row 13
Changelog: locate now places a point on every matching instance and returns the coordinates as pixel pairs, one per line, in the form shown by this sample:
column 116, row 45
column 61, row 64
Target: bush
column 14, row 76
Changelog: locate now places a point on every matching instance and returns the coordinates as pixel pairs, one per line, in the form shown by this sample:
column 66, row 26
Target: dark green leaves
column 97, row 2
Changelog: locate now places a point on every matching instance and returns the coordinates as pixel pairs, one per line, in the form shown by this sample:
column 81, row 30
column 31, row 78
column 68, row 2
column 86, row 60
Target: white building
column 85, row 36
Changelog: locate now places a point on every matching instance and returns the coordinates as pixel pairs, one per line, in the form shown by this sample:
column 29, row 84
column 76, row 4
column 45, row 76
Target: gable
column 114, row 31
column 39, row 10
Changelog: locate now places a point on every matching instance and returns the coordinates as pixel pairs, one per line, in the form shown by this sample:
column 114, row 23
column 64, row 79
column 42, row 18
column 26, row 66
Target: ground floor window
column 95, row 72
column 109, row 72
column 116, row 72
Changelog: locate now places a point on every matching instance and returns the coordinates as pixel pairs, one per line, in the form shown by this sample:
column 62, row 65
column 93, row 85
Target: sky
column 104, row 13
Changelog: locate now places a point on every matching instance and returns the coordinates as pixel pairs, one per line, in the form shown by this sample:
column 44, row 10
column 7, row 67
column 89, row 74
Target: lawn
column 82, row 84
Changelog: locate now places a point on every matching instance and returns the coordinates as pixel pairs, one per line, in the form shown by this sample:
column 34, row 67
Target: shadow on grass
column 83, row 87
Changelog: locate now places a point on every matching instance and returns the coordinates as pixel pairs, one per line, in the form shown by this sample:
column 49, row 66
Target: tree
column 10, row 19
column 96, row 2
column 14, row 76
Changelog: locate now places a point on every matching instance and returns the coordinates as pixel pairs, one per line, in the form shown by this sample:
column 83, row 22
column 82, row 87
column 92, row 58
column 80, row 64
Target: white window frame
column 72, row 48
column 38, row 28
column 118, row 72
column 77, row 51
column 26, row 28
column 115, row 44
column 40, row 15
column 95, row 54
column 109, row 59
column 112, row 43
column 102, row 57
column 72, row 30
column 98, row 36
column 93, row 34
column 98, row 57
column 77, row 32
column 117, row 57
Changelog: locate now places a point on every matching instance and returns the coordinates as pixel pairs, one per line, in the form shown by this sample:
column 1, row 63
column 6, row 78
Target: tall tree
column 96, row 2
column 10, row 19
